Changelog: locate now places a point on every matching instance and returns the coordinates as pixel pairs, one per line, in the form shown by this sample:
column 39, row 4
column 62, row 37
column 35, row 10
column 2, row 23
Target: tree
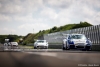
column 54, row 28
column 12, row 38
column 51, row 31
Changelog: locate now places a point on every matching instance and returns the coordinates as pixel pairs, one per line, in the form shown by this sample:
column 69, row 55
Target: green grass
column 55, row 43
column 28, row 47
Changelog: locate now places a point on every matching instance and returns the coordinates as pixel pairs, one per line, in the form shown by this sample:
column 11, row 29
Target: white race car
column 76, row 41
column 41, row 44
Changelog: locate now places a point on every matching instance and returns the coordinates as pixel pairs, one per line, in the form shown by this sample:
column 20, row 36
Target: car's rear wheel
column 87, row 48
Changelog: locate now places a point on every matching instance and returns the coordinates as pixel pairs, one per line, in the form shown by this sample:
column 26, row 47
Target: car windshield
column 77, row 37
column 40, row 41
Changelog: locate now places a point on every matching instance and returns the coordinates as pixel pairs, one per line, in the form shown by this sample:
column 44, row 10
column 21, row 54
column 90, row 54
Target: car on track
column 76, row 41
column 11, row 45
column 41, row 44
column 14, row 44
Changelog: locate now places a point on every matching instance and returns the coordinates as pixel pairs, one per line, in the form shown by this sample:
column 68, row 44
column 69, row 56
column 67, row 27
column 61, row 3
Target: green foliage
column 10, row 37
column 2, row 38
column 82, row 24
column 29, row 38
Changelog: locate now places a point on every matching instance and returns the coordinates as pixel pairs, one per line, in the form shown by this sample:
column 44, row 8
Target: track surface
column 49, row 58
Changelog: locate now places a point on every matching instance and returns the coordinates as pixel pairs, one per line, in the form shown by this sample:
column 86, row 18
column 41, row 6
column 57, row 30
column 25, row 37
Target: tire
column 63, row 47
column 46, row 47
column 88, row 48
column 67, row 47
column 35, row 48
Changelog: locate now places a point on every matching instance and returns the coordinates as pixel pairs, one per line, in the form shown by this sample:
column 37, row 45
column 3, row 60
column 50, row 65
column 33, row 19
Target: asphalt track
column 49, row 58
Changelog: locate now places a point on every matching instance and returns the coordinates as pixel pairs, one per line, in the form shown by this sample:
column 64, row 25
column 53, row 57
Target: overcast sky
column 22, row 16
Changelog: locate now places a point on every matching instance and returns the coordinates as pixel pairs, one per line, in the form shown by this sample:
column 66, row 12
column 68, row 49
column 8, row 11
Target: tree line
column 11, row 38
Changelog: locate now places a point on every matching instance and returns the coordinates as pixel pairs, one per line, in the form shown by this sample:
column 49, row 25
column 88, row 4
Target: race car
column 76, row 41
column 11, row 45
column 41, row 44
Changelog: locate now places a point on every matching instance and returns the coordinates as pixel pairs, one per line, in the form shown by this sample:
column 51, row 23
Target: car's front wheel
column 63, row 47
column 88, row 48
column 35, row 48
column 46, row 47
column 67, row 48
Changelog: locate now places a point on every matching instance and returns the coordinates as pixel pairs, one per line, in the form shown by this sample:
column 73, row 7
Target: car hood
column 41, row 43
column 79, row 41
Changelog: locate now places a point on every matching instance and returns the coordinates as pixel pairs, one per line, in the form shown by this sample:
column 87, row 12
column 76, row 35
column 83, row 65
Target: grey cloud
column 9, row 7
column 15, row 13
column 19, row 7
column 58, row 3
column 93, row 4
column 10, row 10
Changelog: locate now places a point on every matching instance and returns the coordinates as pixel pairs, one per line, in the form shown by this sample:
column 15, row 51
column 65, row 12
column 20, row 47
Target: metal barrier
column 92, row 32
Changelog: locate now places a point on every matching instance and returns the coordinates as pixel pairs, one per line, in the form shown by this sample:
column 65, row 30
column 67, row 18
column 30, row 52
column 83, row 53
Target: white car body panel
column 41, row 44
column 77, row 40
column 14, row 43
